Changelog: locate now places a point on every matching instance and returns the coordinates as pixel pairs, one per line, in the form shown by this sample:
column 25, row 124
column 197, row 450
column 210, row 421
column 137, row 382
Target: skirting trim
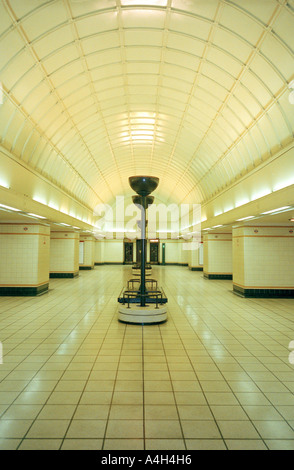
column 217, row 276
column 24, row 291
column 263, row 293
column 64, row 275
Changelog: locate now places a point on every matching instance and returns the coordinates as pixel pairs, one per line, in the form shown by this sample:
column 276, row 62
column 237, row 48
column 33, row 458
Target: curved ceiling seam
column 209, row 62
column 46, row 78
column 226, row 155
column 197, row 74
column 159, row 78
column 245, row 12
column 24, row 38
column 17, row 22
column 238, row 80
column 125, row 76
column 72, row 196
column 49, row 143
column 93, row 94
column 69, row 119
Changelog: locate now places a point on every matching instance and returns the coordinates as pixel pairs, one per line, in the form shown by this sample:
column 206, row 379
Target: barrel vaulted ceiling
column 192, row 91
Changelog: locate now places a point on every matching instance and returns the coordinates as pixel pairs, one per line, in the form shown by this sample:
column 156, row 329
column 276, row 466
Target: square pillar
column 64, row 254
column 263, row 261
column 196, row 257
column 217, row 256
column 86, row 252
column 24, row 259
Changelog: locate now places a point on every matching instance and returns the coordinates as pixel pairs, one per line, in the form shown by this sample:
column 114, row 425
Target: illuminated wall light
column 260, row 194
column 67, row 225
column 35, row 215
column 53, row 205
column 242, row 202
column 276, row 210
column 216, row 226
column 40, row 200
column 245, row 218
column 284, row 184
column 5, row 185
column 9, row 208
column 228, row 209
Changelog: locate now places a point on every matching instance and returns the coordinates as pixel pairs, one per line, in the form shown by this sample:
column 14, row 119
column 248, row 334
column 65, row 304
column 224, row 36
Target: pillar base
column 217, row 276
column 268, row 293
column 142, row 315
column 24, row 291
column 64, row 275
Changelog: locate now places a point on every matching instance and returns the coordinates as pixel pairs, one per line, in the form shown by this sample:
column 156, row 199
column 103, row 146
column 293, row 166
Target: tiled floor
column 216, row 375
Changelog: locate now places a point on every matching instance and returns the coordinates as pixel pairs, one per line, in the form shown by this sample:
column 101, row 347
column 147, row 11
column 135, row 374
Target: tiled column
column 24, row 259
column 88, row 252
column 196, row 257
column 217, row 256
column 64, row 254
column 263, row 261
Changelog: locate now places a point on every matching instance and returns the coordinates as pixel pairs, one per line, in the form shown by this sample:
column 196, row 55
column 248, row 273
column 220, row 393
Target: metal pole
column 143, row 254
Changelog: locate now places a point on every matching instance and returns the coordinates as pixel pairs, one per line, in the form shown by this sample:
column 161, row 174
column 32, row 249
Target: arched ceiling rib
column 192, row 91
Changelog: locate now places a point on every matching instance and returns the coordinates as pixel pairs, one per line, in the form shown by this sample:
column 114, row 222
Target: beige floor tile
column 22, row 412
column 274, row 429
column 165, row 444
column 9, row 444
column 126, row 412
column 70, row 386
column 14, row 428
column 57, row 411
column 40, row 444
column 124, row 429
column 91, row 411
column 129, row 385
column 157, row 385
column 123, row 444
column 238, row 429
column 86, row 429
column 82, row 444
column 221, row 398
column 190, row 398
column 200, row 429
column 159, row 398
column 154, row 412
column 163, row 429
column 95, row 398
column 99, row 386
column 127, row 398
column 280, row 444
column 64, row 398
column 32, row 398
column 205, row 444
column 194, row 412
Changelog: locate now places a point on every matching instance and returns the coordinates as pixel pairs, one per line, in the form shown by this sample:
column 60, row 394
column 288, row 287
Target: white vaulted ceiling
column 192, row 91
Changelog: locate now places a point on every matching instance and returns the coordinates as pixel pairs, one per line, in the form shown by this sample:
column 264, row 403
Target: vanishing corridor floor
column 216, row 375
